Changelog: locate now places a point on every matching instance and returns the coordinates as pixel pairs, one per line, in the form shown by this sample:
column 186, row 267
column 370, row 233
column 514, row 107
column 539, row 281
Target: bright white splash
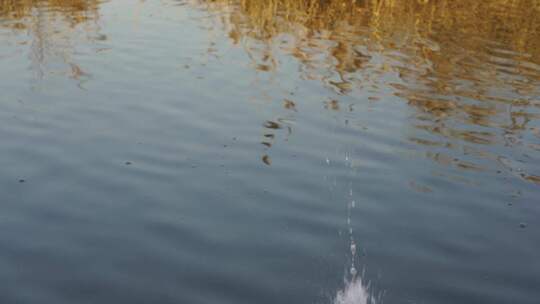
column 354, row 293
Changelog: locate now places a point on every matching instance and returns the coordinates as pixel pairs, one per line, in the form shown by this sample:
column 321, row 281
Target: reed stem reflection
column 449, row 60
column 54, row 28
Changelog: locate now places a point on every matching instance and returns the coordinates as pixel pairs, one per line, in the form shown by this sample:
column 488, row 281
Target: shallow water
column 232, row 151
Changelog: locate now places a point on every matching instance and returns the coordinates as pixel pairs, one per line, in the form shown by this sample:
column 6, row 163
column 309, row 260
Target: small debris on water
column 128, row 163
column 22, row 181
column 522, row 225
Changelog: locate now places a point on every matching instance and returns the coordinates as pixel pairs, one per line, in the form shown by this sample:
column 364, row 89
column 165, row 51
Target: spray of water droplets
column 355, row 291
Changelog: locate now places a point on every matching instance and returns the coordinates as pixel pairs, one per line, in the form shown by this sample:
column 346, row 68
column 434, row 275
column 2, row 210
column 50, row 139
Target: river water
column 280, row 151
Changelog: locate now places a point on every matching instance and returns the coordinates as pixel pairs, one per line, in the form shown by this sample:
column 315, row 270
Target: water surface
column 236, row 151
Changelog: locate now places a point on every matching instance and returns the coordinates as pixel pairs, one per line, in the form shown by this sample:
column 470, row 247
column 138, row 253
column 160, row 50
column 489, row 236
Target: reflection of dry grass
column 446, row 47
column 515, row 22
column 449, row 59
column 51, row 25
column 76, row 11
column 429, row 25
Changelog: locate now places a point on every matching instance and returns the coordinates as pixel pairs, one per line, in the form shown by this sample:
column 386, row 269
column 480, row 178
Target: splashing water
column 354, row 293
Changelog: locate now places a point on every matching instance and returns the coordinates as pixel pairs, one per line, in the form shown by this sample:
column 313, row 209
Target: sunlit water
column 281, row 151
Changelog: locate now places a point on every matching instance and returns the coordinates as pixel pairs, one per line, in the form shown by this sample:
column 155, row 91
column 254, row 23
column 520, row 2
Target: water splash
column 355, row 292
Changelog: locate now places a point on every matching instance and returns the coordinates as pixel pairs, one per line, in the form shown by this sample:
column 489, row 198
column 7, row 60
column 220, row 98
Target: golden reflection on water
column 55, row 27
column 73, row 11
column 469, row 68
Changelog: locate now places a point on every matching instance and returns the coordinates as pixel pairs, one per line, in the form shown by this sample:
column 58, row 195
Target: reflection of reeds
column 514, row 20
column 76, row 11
column 51, row 24
column 437, row 42
column 449, row 59
column 511, row 23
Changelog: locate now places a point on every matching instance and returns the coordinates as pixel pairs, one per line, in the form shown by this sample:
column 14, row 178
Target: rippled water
column 281, row 151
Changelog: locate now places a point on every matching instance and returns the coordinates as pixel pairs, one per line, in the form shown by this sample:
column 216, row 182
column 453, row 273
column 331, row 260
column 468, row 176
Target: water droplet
column 353, row 271
column 353, row 204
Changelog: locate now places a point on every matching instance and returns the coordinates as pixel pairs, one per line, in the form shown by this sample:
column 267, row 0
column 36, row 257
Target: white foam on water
column 354, row 293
